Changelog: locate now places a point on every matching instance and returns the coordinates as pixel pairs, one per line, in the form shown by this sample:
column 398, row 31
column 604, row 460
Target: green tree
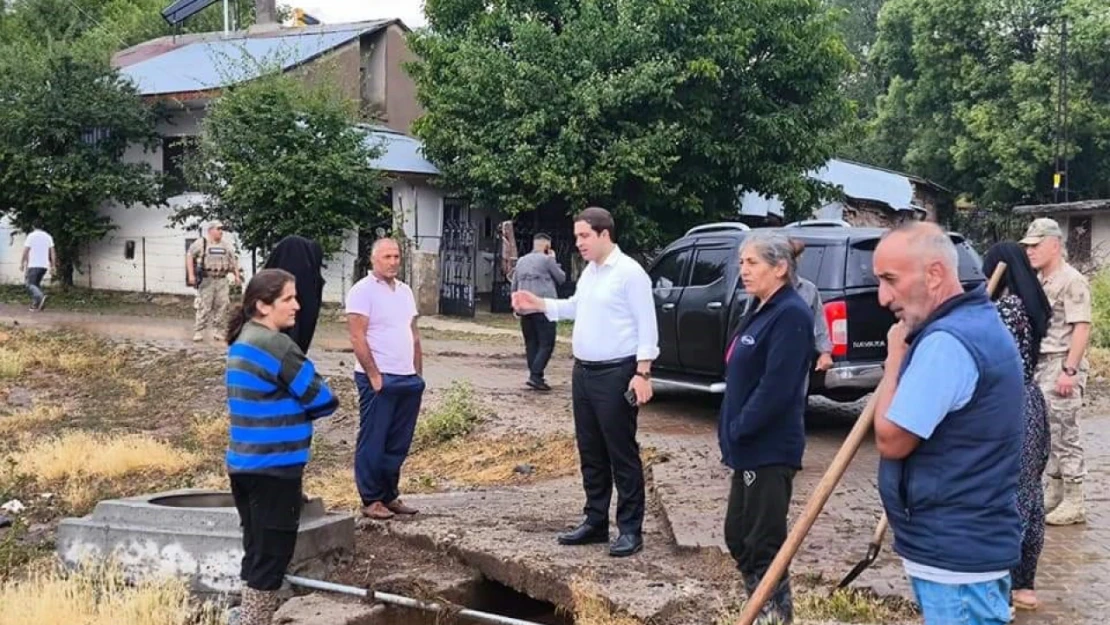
column 104, row 25
column 280, row 156
column 660, row 111
column 65, row 123
column 971, row 90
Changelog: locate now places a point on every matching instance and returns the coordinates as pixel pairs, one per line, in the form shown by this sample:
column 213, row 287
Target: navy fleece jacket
column 766, row 376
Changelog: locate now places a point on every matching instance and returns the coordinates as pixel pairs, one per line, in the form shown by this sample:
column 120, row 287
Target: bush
column 1100, row 309
column 454, row 417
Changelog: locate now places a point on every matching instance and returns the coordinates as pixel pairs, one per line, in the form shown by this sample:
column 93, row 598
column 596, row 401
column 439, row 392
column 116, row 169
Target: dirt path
column 508, row 531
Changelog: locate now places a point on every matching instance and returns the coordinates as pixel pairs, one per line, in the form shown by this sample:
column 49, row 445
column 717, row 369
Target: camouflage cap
column 1041, row 228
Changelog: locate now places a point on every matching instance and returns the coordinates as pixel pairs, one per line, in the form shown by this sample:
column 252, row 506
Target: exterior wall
column 401, row 107
column 373, row 68
column 343, row 66
column 388, row 92
column 418, row 207
column 418, row 210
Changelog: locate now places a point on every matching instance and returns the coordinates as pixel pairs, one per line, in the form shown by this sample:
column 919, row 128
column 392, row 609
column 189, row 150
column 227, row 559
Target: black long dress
column 1034, row 451
column 304, row 259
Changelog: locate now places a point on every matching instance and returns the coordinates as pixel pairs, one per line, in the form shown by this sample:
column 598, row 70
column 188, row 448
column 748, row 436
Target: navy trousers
column 386, row 423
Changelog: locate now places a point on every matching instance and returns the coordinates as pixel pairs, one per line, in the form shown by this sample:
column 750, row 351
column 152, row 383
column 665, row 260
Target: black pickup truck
column 699, row 300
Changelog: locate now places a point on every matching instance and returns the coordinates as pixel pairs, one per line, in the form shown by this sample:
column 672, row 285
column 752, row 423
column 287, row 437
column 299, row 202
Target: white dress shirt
column 614, row 311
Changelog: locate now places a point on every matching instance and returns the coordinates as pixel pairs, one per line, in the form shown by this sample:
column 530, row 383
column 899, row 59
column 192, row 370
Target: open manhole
column 195, row 500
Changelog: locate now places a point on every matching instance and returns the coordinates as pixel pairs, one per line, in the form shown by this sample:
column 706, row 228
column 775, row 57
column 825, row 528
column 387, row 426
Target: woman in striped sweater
column 273, row 395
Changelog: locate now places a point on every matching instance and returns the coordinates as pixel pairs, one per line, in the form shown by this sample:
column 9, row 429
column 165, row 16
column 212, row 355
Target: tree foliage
column 104, row 25
column 971, row 90
column 65, row 123
column 660, row 111
column 281, row 156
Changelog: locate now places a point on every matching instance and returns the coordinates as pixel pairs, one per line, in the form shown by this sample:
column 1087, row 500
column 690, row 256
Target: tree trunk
column 67, row 264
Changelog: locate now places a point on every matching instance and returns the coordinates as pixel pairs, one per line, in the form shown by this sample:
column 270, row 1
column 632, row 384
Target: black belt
column 604, row 364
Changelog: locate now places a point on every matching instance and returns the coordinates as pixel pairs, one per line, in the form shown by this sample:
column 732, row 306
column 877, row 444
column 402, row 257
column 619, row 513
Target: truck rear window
column 860, row 269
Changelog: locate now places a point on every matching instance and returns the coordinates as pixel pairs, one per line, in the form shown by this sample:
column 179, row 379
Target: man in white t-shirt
column 38, row 257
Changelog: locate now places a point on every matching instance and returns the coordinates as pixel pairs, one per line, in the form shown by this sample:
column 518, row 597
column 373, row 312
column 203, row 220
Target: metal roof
column 1082, row 206
column 213, row 64
column 403, row 154
column 858, row 181
column 868, row 183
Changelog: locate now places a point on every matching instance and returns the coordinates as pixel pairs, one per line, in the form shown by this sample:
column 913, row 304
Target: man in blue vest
column 948, row 426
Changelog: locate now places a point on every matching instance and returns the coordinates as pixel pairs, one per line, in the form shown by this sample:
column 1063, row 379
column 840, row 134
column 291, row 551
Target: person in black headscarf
column 1025, row 310
column 304, row 259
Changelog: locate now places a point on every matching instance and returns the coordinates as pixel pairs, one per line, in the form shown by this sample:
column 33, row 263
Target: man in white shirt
column 615, row 341
column 38, row 257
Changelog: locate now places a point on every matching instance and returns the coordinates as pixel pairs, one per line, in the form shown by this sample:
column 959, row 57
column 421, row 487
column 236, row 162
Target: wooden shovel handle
column 813, row 508
column 996, row 279
column 880, row 530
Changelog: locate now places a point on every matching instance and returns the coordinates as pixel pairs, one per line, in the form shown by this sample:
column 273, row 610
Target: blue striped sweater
column 273, row 395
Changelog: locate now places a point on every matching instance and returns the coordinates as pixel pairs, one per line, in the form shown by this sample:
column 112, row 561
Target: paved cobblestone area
column 1074, row 576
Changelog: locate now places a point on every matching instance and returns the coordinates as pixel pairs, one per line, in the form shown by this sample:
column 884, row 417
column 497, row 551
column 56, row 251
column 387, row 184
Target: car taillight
column 836, row 314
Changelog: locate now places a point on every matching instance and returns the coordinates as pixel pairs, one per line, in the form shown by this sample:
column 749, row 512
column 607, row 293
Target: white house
column 146, row 253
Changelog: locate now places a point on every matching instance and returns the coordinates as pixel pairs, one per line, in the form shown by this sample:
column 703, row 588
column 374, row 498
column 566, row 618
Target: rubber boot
column 258, row 606
column 1053, row 493
column 779, row 609
column 1072, row 509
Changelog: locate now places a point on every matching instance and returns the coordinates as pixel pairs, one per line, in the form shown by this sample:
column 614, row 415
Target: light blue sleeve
column 940, row 378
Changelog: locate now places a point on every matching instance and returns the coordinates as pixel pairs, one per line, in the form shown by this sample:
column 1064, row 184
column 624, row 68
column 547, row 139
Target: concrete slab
column 319, row 609
column 508, row 534
column 193, row 534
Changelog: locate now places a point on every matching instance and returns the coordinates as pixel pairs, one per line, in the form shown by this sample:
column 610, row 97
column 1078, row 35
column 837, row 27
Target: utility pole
column 1060, row 180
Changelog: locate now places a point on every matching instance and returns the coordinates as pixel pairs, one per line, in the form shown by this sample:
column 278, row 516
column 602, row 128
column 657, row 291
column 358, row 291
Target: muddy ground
column 491, row 500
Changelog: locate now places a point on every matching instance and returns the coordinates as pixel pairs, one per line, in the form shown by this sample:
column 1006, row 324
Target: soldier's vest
column 217, row 260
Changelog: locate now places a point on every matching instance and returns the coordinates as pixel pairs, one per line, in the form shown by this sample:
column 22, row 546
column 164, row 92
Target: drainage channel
column 495, row 604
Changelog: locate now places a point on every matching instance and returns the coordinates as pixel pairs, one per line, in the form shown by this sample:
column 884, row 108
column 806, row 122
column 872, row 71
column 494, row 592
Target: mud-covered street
column 493, row 506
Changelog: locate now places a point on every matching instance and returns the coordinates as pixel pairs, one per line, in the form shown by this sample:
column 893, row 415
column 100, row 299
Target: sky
column 336, row 11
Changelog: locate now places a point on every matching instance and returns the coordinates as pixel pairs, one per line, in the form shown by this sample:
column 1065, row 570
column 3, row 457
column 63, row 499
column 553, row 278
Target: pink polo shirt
column 389, row 333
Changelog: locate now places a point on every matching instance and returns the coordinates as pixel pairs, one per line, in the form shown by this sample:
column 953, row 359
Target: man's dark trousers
column 386, row 423
column 605, row 428
column 539, row 343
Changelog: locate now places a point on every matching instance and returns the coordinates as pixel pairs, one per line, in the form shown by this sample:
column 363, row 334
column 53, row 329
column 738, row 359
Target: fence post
column 144, row 264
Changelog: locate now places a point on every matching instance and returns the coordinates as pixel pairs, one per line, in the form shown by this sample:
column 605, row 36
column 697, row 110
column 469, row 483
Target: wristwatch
column 1070, row 370
column 644, row 374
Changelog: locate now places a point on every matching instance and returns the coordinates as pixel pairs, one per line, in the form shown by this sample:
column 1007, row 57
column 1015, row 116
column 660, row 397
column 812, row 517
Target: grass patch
column 852, row 605
column 82, row 299
column 849, row 605
column 1100, row 309
column 488, row 462
column 12, row 363
column 455, row 416
column 32, row 419
column 84, row 466
column 100, row 595
column 1099, row 358
column 69, row 353
column 18, row 550
column 591, row 608
column 335, row 485
column 209, row 430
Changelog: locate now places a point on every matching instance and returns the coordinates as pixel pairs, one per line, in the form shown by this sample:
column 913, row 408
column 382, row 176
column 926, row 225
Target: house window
column 129, row 250
column 174, row 152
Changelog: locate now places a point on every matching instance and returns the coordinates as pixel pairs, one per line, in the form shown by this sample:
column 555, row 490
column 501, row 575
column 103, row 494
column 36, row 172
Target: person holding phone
column 761, row 429
column 615, row 341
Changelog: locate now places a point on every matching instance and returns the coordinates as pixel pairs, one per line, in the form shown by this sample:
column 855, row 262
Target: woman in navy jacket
column 761, row 432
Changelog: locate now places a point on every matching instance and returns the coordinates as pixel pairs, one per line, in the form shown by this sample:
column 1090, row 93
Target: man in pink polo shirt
column 381, row 319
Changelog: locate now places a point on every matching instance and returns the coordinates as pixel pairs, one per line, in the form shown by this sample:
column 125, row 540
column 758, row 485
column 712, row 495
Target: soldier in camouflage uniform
column 211, row 259
column 1062, row 368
